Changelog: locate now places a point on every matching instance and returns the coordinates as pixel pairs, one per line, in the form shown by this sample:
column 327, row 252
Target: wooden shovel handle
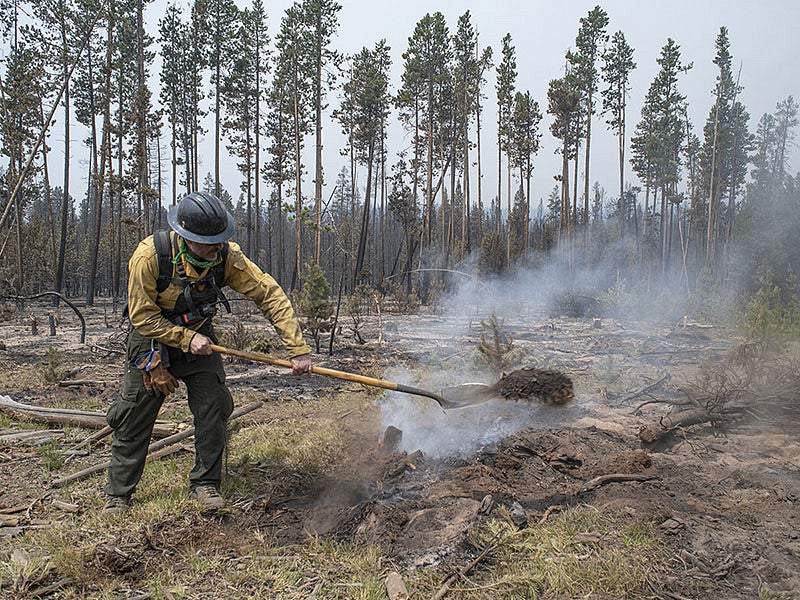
column 279, row 362
column 371, row 381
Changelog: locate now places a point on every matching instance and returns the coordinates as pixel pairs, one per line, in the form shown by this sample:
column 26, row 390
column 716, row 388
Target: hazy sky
column 764, row 41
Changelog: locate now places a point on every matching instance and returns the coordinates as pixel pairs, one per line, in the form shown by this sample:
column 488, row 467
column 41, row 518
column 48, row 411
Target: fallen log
column 31, row 436
column 654, row 432
column 157, row 449
column 7, row 403
column 64, row 416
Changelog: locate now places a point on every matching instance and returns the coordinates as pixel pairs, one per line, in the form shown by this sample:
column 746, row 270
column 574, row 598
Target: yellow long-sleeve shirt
column 145, row 302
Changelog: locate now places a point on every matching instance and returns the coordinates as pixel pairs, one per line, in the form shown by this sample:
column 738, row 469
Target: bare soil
column 722, row 497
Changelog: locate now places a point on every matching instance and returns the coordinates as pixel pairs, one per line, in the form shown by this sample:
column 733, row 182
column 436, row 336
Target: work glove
column 156, row 377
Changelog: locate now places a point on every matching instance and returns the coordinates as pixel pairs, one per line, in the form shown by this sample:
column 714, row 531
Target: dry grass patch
column 582, row 552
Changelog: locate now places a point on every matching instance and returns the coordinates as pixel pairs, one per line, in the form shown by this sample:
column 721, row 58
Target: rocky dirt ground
column 720, row 497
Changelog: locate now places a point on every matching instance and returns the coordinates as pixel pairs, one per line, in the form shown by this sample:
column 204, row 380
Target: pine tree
column 467, row 77
column 525, row 138
column 724, row 155
column 256, row 20
column 617, row 66
column 280, row 165
column 426, row 71
column 59, row 22
column 315, row 308
column 22, row 89
column 657, row 144
column 589, row 46
column 240, row 99
column 506, row 78
column 172, row 39
column 218, row 18
column 563, row 103
column 320, row 25
column 362, row 114
column 292, row 73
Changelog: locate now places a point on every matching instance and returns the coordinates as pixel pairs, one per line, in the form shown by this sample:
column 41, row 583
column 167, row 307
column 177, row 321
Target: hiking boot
column 115, row 505
column 208, row 497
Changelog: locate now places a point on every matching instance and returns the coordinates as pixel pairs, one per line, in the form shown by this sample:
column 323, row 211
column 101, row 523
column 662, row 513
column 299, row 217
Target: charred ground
column 709, row 511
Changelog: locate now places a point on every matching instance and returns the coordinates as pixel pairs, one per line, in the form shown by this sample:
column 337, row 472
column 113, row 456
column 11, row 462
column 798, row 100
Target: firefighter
column 174, row 289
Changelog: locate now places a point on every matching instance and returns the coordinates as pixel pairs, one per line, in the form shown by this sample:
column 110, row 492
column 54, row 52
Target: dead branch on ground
column 95, row 437
column 647, row 389
column 63, row 416
column 81, row 382
column 652, row 433
column 158, row 449
column 493, row 543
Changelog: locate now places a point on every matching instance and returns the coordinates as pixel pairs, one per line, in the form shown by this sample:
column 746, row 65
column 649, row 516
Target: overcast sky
column 764, row 37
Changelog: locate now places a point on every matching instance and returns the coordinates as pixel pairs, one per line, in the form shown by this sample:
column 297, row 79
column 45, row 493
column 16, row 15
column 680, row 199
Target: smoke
column 459, row 433
column 605, row 281
column 524, row 302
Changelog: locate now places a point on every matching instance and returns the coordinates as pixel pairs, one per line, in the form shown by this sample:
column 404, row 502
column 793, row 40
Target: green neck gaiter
column 200, row 264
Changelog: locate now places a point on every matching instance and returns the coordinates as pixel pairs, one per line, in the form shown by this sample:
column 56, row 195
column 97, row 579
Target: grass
column 174, row 552
column 580, row 553
column 166, row 548
column 51, row 455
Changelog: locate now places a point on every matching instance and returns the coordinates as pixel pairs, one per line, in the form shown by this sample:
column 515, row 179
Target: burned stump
column 530, row 383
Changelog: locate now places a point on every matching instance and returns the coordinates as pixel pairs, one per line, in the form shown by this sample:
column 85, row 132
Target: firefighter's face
column 203, row 251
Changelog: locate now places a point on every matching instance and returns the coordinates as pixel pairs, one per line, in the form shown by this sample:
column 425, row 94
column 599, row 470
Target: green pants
column 134, row 413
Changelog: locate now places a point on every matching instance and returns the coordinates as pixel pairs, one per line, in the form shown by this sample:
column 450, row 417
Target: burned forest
column 609, row 457
column 547, row 263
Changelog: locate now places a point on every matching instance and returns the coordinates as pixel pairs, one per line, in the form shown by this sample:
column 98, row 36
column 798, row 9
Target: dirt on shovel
column 529, row 384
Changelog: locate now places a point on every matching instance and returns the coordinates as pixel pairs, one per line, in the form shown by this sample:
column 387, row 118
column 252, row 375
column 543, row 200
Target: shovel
column 459, row 396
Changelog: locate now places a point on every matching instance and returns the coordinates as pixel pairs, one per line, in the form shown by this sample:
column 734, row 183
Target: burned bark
column 652, row 433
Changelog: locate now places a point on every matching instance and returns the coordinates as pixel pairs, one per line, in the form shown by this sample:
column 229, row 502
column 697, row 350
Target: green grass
column 51, row 455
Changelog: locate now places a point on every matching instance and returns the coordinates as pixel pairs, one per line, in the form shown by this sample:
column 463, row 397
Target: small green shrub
column 314, row 307
column 51, row 367
column 770, row 316
column 52, row 457
column 496, row 349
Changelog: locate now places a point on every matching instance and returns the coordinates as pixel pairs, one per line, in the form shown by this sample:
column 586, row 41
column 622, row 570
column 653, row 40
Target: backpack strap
column 161, row 240
column 163, row 244
column 219, row 270
column 219, row 277
column 164, row 250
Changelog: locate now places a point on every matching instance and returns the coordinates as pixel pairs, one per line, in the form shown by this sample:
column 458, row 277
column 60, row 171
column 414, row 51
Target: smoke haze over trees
column 438, row 169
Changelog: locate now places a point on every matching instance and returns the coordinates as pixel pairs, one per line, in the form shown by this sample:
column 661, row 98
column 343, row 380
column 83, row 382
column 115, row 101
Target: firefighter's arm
column 245, row 277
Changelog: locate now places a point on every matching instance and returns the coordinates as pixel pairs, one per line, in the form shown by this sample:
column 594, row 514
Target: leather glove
column 156, row 378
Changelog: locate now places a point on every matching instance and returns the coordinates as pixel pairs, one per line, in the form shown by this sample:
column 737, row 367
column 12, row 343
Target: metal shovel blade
column 467, row 394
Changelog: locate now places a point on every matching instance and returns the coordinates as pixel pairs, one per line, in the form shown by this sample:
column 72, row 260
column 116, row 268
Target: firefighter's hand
column 200, row 344
column 301, row 364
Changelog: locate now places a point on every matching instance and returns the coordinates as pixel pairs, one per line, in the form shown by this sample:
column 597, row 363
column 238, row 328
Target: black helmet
column 201, row 217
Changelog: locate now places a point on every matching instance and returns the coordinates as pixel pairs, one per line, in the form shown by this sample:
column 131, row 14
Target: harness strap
column 163, row 244
column 215, row 278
